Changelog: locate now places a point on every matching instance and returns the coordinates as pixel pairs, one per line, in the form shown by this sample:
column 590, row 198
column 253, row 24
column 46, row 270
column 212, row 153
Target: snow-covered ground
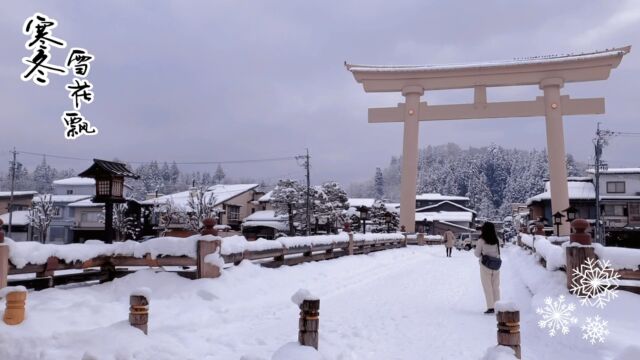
column 409, row 303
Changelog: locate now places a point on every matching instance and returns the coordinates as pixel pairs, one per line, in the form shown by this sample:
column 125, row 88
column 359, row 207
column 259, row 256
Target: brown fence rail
column 106, row 268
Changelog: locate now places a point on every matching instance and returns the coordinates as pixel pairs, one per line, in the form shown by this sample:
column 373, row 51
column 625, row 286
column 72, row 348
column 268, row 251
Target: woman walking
column 488, row 250
column 449, row 239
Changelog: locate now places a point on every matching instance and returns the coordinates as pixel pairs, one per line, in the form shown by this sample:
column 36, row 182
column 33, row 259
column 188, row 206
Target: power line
column 243, row 161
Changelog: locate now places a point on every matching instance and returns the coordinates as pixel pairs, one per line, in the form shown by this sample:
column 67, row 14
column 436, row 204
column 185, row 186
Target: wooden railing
column 625, row 274
column 106, row 268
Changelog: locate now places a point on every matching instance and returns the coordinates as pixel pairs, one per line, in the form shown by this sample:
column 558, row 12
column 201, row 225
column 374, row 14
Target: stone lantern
column 109, row 177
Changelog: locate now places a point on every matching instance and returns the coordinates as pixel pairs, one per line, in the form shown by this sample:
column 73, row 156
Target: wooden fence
column 107, row 268
column 625, row 274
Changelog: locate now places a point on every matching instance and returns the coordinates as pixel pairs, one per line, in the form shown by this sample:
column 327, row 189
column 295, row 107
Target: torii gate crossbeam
column 550, row 73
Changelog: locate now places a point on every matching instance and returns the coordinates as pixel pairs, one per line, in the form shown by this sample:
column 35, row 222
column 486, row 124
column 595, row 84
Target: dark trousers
column 449, row 251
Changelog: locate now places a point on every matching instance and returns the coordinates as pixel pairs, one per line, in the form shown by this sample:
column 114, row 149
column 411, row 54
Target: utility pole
column 13, row 183
column 599, row 143
column 307, row 165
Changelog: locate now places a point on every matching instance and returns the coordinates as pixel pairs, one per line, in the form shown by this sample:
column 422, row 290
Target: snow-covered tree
column 43, row 177
column 201, row 205
column 170, row 213
column 219, row 175
column 125, row 226
column 379, row 184
column 40, row 216
column 377, row 215
column 288, row 198
column 330, row 203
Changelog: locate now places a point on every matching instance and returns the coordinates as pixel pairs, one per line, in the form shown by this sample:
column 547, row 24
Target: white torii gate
column 550, row 73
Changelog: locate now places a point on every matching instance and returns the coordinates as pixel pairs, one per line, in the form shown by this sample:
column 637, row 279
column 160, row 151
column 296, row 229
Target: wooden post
column 204, row 269
column 509, row 330
column 14, row 312
column 420, row 239
column 577, row 255
column 309, row 323
column 139, row 312
column 350, row 243
column 4, row 265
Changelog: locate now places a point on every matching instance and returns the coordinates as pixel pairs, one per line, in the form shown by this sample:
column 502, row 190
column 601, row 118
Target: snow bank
column 505, row 306
column 31, row 252
column 214, row 259
column 295, row 351
column 9, row 289
column 499, row 352
column 377, row 236
column 302, row 295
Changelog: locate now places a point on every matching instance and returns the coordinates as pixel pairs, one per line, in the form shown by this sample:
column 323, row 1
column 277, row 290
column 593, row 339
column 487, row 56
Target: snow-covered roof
column 457, row 226
column 266, row 218
column 446, row 202
column 75, row 181
column 63, row 198
column 266, row 197
column 85, row 203
column 551, row 59
column 578, row 190
column 19, row 218
column 459, row 216
column 265, row 215
column 439, row 197
column 221, row 193
column 357, row 202
column 617, row 171
column 17, row 193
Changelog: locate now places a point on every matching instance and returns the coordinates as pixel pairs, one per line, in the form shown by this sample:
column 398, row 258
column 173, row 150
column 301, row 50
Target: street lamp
column 557, row 221
column 572, row 213
column 387, row 219
column 363, row 216
column 109, row 177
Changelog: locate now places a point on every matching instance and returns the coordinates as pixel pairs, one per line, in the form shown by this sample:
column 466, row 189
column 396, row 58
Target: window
column 634, row 212
column 614, row 210
column 233, row 213
column 92, row 217
column 70, row 192
column 57, row 211
column 615, row 187
column 56, row 234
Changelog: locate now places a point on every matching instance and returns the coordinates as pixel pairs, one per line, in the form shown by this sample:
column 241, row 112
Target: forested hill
column 492, row 177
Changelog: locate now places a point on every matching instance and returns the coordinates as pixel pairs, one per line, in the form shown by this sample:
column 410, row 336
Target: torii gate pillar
column 555, row 149
column 409, row 177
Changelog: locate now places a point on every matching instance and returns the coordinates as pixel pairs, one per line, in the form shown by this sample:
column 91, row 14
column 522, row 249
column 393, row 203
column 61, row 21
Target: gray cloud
column 202, row 80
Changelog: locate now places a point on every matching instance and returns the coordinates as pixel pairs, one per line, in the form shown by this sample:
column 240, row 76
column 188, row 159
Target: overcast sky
column 234, row 80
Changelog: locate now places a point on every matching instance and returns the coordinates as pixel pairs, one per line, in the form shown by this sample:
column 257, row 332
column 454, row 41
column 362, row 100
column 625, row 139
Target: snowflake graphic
column 595, row 329
column 556, row 315
column 595, row 283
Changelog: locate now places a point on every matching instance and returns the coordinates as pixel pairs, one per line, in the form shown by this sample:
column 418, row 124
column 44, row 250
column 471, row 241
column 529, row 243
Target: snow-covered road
column 411, row 303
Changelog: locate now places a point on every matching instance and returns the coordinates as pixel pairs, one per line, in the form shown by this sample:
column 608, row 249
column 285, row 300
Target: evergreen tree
column 219, row 175
column 288, row 198
column 379, row 184
column 43, row 177
column 40, row 216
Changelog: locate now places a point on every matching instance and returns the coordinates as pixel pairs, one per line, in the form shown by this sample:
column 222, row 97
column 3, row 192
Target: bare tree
column 170, row 213
column 201, row 205
column 40, row 216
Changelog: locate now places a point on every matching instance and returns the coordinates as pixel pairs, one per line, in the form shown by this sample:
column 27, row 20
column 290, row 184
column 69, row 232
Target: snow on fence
column 95, row 260
column 552, row 254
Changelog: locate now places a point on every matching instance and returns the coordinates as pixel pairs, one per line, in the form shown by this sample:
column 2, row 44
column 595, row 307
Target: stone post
column 139, row 312
column 351, row 244
column 15, row 310
column 420, row 239
column 309, row 323
column 204, row 268
column 509, row 330
column 578, row 255
column 209, row 227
